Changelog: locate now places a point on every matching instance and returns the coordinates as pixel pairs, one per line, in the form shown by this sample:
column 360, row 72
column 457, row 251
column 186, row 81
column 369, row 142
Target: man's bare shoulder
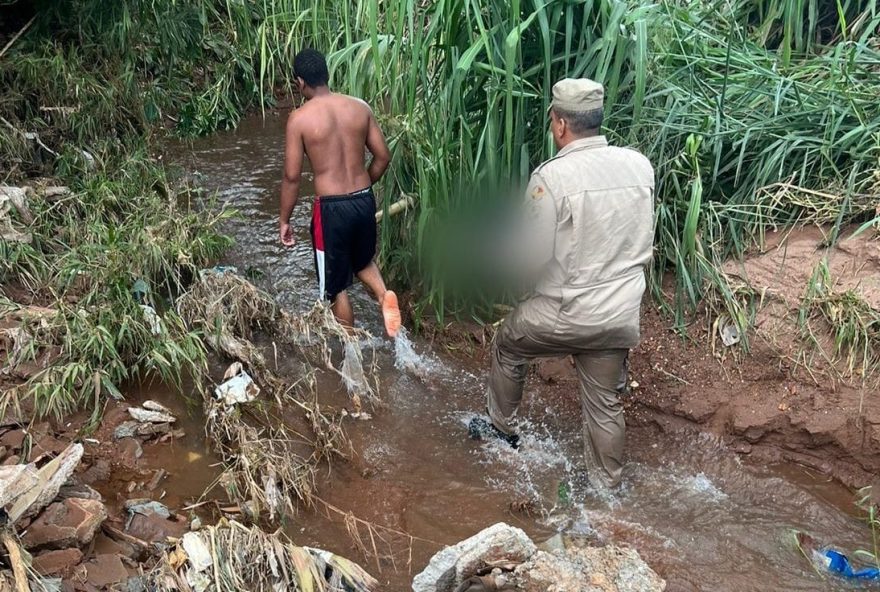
column 357, row 101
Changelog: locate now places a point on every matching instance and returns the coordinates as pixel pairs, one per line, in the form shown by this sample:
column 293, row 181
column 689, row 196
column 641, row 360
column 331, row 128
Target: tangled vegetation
column 753, row 113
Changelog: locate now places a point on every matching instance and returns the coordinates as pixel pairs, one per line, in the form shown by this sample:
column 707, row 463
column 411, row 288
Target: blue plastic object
column 839, row 564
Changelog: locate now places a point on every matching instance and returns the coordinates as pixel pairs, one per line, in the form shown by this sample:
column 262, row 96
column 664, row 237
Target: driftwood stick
column 19, row 569
column 17, row 35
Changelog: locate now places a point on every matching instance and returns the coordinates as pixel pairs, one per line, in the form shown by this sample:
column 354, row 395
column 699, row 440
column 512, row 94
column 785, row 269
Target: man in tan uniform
column 589, row 236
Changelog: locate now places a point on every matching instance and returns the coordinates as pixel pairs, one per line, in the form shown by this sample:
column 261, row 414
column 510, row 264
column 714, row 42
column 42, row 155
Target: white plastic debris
column 197, row 552
column 238, row 389
column 153, row 319
column 729, row 334
column 273, row 495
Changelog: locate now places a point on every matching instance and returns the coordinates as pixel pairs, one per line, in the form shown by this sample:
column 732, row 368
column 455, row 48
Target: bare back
column 335, row 130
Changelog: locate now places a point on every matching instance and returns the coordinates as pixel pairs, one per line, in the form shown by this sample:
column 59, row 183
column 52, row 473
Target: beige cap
column 577, row 95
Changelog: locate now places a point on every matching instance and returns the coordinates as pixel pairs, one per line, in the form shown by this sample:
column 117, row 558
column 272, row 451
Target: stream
column 702, row 517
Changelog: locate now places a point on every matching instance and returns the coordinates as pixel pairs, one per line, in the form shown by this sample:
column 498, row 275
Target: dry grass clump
column 272, row 444
column 230, row 557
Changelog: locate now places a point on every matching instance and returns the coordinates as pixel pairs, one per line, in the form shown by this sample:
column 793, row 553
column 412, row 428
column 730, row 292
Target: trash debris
column 834, row 561
column 14, row 197
column 153, row 318
column 728, row 331
column 240, row 388
column 146, row 507
column 141, row 291
column 197, row 552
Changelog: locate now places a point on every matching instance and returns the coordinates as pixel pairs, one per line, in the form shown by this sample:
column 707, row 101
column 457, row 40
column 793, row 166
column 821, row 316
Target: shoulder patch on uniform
column 538, row 192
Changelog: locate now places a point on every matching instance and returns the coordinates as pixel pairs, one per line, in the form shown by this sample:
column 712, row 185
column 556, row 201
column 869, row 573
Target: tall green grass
column 773, row 91
column 728, row 99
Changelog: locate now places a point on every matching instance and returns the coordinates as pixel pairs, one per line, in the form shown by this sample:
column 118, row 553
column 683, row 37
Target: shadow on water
column 702, row 517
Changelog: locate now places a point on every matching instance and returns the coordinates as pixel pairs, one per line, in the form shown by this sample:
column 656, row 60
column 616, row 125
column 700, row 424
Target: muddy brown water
column 703, row 517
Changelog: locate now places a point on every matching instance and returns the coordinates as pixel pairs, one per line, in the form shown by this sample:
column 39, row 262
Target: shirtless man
column 332, row 130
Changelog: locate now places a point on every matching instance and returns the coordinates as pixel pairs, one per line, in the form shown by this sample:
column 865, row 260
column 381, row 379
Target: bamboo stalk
column 397, row 207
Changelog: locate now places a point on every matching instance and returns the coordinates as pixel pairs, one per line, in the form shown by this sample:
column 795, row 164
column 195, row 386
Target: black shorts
column 344, row 238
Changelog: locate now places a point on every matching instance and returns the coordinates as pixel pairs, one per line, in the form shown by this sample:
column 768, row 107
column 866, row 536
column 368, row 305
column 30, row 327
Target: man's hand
column 286, row 232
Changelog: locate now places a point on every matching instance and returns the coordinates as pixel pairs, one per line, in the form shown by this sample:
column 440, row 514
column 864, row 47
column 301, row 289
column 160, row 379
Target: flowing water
column 701, row 516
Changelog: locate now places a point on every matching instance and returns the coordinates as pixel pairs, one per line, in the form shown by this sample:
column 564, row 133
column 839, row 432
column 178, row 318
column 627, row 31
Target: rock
column 147, row 416
column 153, row 528
column 79, row 491
column 50, row 478
column 57, row 563
column 151, row 521
column 157, row 479
column 147, row 507
column 588, row 569
column 135, row 584
column 47, row 444
column 100, row 471
column 130, row 429
column 106, row 569
column 453, row 565
column 13, row 439
column 14, row 481
column 72, row 522
column 129, row 451
column 157, row 407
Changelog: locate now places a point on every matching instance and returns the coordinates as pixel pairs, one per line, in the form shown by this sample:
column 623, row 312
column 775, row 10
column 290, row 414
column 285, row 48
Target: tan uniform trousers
column 602, row 374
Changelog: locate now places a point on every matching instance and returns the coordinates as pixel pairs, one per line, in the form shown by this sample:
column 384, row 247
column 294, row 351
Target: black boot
column 480, row 429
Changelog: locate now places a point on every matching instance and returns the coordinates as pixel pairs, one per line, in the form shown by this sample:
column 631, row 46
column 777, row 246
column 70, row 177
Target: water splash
column 533, row 470
column 353, row 370
column 700, row 483
column 406, row 359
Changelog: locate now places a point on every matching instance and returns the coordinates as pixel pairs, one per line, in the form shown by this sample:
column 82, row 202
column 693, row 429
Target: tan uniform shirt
column 591, row 234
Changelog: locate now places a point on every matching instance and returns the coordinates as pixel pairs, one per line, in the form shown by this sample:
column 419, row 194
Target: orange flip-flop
column 391, row 313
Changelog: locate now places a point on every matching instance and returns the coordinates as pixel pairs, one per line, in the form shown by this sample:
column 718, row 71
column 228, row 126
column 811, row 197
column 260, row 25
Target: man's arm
column 379, row 149
column 539, row 237
column 293, row 159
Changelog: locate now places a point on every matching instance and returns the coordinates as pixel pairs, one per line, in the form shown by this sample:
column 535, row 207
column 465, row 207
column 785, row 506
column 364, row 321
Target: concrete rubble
column 503, row 558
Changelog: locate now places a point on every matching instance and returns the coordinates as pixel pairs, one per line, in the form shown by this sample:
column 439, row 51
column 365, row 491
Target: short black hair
column 310, row 65
column 581, row 122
